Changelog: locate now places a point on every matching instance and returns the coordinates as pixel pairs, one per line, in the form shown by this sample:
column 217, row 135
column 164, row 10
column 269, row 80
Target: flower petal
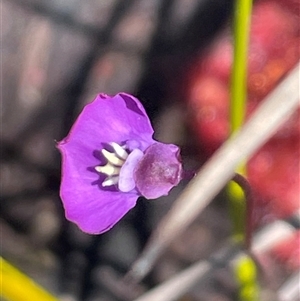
column 120, row 118
column 111, row 119
column 93, row 208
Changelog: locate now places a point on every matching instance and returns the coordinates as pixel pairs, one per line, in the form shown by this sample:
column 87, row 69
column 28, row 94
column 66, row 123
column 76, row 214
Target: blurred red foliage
column 274, row 50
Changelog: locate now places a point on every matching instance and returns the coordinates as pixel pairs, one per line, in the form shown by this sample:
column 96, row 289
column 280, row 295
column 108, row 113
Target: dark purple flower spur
column 109, row 159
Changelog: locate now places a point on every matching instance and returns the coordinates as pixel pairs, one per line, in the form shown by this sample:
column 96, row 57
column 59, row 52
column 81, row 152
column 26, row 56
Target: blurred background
column 56, row 56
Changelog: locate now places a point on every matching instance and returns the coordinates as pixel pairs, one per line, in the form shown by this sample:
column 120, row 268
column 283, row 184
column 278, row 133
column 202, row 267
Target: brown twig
column 182, row 282
column 268, row 117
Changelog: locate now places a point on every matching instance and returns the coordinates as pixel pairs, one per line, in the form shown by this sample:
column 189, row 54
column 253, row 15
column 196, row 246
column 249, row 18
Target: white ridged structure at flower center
column 115, row 161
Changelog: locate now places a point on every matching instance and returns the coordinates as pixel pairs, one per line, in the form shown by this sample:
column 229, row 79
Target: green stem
column 242, row 18
column 249, row 200
column 241, row 219
column 246, row 274
column 238, row 102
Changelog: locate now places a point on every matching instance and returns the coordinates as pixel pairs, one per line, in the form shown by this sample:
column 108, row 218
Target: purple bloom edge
column 109, row 159
column 106, row 119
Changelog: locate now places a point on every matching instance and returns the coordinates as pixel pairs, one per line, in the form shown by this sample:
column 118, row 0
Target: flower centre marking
column 115, row 161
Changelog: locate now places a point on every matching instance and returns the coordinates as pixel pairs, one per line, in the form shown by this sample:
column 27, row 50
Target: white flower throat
column 115, row 161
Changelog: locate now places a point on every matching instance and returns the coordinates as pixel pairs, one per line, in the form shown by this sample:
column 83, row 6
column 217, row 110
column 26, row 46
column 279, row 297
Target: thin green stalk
column 238, row 90
column 248, row 286
column 242, row 18
column 246, row 274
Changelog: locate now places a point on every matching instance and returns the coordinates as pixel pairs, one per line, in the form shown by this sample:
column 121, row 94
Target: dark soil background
column 56, row 56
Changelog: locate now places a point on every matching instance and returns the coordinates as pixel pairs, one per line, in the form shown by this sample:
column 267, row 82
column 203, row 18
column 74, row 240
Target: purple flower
column 109, row 159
